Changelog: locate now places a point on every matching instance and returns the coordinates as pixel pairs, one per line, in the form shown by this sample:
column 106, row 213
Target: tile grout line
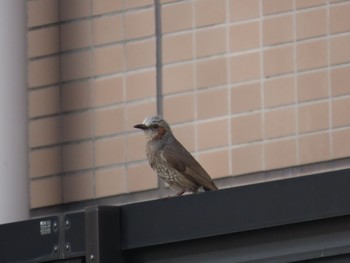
column 159, row 56
column 195, row 80
column 295, row 73
column 329, row 83
column 159, row 73
column 92, row 109
column 61, row 105
column 229, row 87
column 262, row 86
column 125, row 104
column 147, row 38
column 116, row 74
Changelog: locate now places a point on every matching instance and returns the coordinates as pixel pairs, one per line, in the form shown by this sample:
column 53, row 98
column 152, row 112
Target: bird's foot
column 169, row 196
column 180, row 193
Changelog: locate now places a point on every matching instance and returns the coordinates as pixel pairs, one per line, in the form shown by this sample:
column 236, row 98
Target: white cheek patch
column 148, row 133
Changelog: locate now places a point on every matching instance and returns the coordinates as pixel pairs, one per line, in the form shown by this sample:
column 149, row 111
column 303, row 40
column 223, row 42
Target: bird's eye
column 155, row 126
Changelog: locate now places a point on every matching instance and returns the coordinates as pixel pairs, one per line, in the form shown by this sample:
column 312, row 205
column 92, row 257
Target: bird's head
column 155, row 127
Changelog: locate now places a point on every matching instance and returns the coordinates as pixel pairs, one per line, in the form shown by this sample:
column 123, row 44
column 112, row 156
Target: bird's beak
column 141, row 126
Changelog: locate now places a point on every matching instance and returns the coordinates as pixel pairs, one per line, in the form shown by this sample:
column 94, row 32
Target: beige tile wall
column 91, row 76
column 248, row 86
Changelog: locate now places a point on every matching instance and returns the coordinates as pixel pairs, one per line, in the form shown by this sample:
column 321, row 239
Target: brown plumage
column 170, row 160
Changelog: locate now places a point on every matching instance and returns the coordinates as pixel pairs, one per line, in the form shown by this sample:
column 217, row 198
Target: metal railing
column 281, row 221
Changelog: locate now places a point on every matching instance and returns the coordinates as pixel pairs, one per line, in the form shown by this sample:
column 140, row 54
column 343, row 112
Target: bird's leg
column 169, row 196
column 180, row 193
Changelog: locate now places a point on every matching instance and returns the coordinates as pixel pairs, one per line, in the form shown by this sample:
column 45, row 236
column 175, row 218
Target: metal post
column 14, row 195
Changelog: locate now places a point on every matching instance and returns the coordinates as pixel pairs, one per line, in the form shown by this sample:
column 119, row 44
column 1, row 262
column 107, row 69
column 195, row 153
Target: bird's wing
column 181, row 160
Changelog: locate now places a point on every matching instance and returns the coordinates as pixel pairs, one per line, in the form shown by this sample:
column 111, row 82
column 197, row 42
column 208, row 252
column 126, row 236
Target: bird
column 170, row 159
